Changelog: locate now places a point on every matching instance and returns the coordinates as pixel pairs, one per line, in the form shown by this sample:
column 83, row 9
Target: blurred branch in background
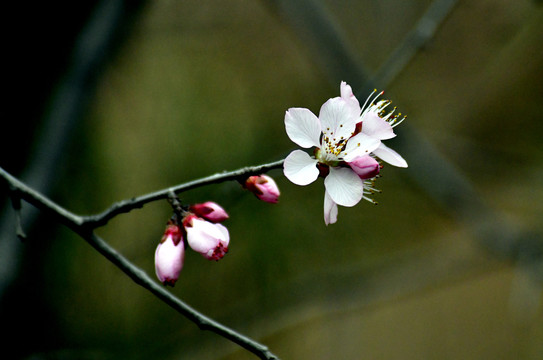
column 91, row 50
column 428, row 168
column 416, row 39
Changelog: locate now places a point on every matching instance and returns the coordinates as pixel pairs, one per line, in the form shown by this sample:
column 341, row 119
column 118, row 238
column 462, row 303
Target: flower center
column 333, row 146
column 326, row 158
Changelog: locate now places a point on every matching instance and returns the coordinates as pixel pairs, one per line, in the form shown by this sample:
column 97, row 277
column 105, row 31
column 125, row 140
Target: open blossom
column 209, row 239
column 170, row 255
column 348, row 140
column 375, row 122
column 264, row 188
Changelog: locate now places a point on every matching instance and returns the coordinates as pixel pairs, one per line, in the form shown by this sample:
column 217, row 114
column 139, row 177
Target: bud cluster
column 200, row 227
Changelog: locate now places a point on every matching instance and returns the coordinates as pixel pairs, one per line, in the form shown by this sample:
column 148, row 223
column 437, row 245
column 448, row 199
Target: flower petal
column 169, row 258
column 338, row 119
column 330, row 209
column 390, row 156
column 360, row 145
column 347, row 94
column 300, row 168
column 203, row 236
column 365, row 167
column 376, row 127
column 344, row 186
column 303, row 127
column 225, row 240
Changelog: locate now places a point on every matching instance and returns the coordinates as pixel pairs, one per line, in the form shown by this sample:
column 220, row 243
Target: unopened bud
column 210, row 211
column 170, row 255
column 365, row 167
column 264, row 187
column 209, row 239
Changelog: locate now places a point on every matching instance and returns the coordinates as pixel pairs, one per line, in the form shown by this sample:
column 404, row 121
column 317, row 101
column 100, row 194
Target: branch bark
column 128, row 205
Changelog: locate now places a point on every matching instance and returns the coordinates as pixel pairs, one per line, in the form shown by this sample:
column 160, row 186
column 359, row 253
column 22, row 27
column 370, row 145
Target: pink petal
column 300, row 168
column 344, row 186
column 390, row 156
column 376, row 127
column 264, row 188
column 365, row 167
column 303, row 127
column 330, row 209
column 210, row 211
column 360, row 145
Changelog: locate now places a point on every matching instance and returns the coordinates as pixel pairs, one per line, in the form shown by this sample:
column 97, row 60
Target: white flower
column 342, row 134
column 379, row 125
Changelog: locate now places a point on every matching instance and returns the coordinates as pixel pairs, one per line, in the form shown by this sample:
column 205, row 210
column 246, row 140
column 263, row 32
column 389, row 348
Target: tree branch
column 203, row 322
column 80, row 225
column 124, row 206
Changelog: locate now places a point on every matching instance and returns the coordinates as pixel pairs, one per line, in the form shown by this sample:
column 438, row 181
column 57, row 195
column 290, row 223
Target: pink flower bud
column 209, row 239
column 365, row 166
column 170, row 255
column 210, row 211
column 264, row 187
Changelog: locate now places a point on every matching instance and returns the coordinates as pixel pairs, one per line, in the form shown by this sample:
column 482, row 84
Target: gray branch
column 84, row 227
column 128, row 205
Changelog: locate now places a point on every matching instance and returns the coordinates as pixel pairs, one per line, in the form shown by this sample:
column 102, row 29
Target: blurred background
column 111, row 99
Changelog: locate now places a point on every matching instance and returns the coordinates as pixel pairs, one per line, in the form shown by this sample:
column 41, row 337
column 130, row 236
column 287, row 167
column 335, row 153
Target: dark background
column 107, row 101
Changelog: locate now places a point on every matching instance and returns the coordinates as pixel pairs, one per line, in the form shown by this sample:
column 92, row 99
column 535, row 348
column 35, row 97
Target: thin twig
column 80, row 226
column 124, row 206
column 41, row 202
column 16, row 204
column 203, row 322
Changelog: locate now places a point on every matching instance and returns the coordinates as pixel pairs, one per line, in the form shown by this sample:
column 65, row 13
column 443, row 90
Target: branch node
column 179, row 211
column 16, row 204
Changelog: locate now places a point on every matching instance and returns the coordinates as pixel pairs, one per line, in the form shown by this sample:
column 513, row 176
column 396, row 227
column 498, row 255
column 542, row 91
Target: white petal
column 303, row 127
column 347, row 94
column 338, row 119
column 344, row 186
column 330, row 209
column 225, row 240
column 376, row 127
column 203, row 235
column 360, row 145
column 390, row 156
column 169, row 260
column 300, row 168
column 345, row 90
